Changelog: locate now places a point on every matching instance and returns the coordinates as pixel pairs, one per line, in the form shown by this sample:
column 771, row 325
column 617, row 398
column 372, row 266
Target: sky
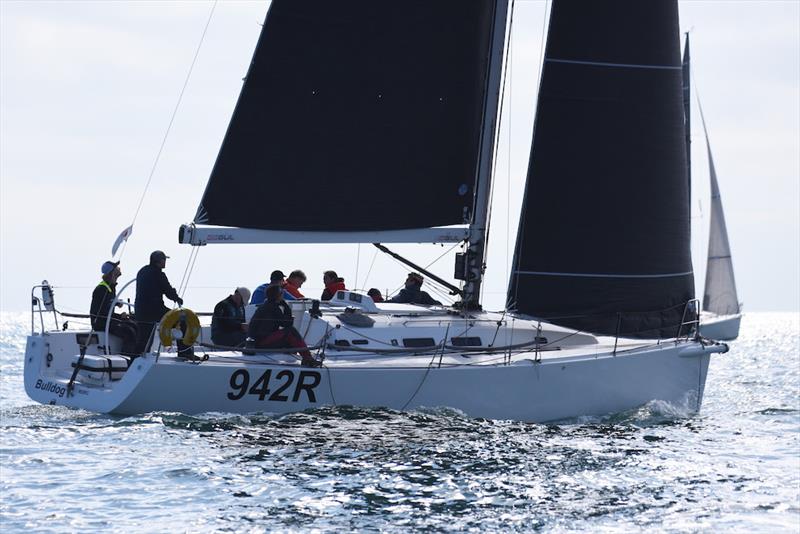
column 88, row 89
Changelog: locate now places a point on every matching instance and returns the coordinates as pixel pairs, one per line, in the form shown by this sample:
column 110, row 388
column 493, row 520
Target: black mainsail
column 603, row 242
column 373, row 110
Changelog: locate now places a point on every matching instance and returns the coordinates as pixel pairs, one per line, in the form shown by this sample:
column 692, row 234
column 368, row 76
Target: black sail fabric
column 603, row 242
column 355, row 116
column 686, row 72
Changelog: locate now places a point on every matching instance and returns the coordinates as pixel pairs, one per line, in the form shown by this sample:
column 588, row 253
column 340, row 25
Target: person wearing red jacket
column 333, row 283
column 272, row 327
column 294, row 283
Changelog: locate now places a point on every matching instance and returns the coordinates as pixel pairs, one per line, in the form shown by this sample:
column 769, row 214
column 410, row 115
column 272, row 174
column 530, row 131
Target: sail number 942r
column 278, row 387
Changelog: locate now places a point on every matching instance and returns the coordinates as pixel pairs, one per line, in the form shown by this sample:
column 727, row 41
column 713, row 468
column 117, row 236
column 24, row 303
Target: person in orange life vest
column 332, row 284
column 272, row 326
column 293, row 284
column 375, row 294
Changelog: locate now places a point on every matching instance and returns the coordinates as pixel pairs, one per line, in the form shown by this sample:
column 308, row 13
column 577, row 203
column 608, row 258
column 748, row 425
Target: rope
column 169, row 126
column 497, row 330
column 424, row 377
column 330, row 384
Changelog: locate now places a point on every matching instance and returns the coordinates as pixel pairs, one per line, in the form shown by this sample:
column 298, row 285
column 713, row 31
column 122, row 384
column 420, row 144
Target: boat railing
column 691, row 319
column 111, row 312
column 42, row 304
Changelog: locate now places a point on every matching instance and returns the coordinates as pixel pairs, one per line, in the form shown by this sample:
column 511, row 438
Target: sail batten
column 605, row 275
column 619, row 65
column 356, row 116
column 607, row 191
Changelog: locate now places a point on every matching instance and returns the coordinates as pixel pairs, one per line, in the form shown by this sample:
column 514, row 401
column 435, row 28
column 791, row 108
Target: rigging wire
column 510, row 75
column 190, row 268
column 374, row 256
column 445, row 253
column 426, row 267
column 358, row 262
column 186, row 270
column 169, row 126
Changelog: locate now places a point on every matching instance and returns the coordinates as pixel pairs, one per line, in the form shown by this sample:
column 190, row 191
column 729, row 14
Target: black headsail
column 354, row 116
column 687, row 111
column 603, row 241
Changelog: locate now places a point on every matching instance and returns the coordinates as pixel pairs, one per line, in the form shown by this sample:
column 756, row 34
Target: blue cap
column 108, row 266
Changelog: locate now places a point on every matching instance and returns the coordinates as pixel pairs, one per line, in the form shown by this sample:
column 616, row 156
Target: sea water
column 733, row 467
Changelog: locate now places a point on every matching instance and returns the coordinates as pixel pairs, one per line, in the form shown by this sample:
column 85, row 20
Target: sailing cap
column 276, row 275
column 108, row 266
column 158, row 255
column 244, row 293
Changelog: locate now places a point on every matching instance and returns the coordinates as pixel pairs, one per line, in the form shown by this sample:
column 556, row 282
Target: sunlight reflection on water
column 734, row 466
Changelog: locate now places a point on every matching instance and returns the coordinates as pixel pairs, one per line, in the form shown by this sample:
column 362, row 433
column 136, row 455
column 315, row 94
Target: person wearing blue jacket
column 277, row 278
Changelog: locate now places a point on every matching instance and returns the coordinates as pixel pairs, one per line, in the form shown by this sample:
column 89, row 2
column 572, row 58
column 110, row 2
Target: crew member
column 412, row 294
column 293, row 284
column 103, row 296
column 228, row 325
column 276, row 278
column 272, row 326
column 375, row 294
column 333, row 283
column 151, row 285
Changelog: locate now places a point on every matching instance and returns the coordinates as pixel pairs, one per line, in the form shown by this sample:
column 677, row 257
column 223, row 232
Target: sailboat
column 388, row 115
column 721, row 311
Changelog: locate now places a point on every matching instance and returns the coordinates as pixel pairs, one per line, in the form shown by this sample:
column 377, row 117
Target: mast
column 474, row 258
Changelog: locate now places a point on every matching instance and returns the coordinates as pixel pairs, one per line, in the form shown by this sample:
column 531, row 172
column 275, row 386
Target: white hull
column 484, row 364
column 720, row 327
column 557, row 386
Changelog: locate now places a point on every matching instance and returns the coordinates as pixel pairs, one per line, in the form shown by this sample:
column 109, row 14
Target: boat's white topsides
column 400, row 356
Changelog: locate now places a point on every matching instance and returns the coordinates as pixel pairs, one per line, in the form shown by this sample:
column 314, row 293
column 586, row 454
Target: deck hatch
column 466, row 341
column 417, row 342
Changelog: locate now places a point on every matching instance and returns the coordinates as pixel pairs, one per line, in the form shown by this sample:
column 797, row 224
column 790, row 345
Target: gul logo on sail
column 219, row 237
